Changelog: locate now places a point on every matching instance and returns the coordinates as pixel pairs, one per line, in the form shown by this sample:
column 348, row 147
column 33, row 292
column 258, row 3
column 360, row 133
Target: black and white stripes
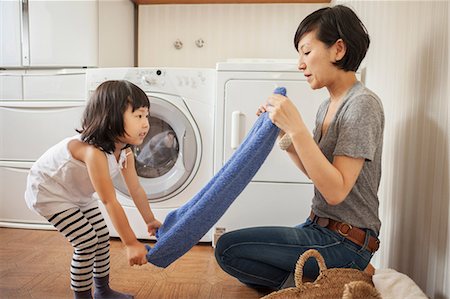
column 86, row 230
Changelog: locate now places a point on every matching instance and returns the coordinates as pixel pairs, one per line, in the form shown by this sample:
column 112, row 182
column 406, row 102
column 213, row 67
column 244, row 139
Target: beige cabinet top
column 224, row 1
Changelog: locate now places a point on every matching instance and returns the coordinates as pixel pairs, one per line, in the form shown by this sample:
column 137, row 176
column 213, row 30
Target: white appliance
column 39, row 33
column 181, row 118
column 38, row 108
column 45, row 47
column 279, row 194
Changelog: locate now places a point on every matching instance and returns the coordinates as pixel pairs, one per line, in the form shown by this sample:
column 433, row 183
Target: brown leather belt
column 354, row 234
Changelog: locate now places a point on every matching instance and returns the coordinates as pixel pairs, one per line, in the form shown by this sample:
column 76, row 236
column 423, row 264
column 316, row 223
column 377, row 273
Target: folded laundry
column 184, row 227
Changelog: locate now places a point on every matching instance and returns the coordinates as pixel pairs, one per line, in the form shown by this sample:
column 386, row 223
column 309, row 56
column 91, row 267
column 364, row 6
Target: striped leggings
column 86, row 230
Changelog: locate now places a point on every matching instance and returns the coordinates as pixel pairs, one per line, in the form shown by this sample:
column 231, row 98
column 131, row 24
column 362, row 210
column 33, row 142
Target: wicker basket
column 329, row 284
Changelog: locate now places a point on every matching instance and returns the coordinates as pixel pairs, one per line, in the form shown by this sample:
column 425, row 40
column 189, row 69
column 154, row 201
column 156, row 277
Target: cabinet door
column 11, row 85
column 54, row 85
column 13, row 208
column 63, row 33
column 10, row 25
column 28, row 129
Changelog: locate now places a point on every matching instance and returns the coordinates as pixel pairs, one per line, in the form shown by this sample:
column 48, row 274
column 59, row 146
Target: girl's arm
column 138, row 194
column 98, row 169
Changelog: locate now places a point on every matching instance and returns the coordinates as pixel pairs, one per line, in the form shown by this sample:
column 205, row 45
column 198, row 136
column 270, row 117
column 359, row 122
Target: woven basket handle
column 301, row 262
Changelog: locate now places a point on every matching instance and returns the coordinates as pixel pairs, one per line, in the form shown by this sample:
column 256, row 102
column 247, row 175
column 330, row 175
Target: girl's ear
column 339, row 49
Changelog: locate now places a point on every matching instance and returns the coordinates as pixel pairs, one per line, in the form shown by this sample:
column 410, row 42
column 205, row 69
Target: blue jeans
column 265, row 256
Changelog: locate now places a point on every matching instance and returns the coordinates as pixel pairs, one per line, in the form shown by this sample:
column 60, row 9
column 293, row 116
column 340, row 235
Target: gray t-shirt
column 355, row 131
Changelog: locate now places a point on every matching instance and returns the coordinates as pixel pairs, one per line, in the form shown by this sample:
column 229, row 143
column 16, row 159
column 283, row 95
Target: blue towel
column 184, row 227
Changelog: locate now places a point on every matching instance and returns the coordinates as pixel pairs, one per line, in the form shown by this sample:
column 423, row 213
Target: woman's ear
column 339, row 49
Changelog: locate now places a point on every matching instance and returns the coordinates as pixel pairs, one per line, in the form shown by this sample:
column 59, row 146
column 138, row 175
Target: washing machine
column 279, row 194
column 176, row 158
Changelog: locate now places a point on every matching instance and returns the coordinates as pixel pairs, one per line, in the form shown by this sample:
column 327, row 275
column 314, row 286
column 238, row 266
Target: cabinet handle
column 10, row 75
column 57, row 73
column 21, row 166
column 40, row 106
column 16, row 169
column 25, row 33
column 235, row 129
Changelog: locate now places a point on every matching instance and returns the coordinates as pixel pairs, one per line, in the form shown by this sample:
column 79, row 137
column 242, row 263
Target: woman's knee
column 224, row 246
column 221, row 245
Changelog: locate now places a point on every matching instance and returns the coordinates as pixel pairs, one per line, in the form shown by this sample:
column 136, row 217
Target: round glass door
column 159, row 152
column 169, row 156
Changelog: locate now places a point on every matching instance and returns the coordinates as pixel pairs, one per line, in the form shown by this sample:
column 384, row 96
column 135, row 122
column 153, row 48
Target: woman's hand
column 137, row 254
column 261, row 110
column 152, row 226
column 284, row 114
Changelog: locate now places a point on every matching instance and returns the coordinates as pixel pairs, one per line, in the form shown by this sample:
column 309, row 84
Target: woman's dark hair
column 103, row 122
column 333, row 23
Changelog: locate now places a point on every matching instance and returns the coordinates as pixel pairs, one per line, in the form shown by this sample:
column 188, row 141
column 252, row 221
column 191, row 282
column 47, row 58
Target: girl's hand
column 137, row 254
column 152, row 226
column 284, row 114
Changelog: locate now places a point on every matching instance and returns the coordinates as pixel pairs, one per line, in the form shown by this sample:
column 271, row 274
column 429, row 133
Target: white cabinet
column 36, row 33
column 37, row 127
column 13, row 209
column 38, row 108
column 11, row 85
column 10, row 28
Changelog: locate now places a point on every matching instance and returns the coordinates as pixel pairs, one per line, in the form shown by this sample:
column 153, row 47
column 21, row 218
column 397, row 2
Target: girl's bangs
column 138, row 99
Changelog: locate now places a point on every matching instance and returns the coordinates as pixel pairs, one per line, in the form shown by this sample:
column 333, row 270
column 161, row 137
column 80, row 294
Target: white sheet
column 395, row 285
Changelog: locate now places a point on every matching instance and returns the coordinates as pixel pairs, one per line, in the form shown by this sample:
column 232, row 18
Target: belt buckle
column 349, row 226
column 378, row 244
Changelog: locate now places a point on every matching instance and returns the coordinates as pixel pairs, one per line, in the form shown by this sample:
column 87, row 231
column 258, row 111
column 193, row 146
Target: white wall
column 407, row 66
column 229, row 31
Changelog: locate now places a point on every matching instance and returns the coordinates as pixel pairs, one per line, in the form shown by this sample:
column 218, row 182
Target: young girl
column 62, row 181
column 342, row 159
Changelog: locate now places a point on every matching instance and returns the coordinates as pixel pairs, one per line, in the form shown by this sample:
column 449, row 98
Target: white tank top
column 57, row 181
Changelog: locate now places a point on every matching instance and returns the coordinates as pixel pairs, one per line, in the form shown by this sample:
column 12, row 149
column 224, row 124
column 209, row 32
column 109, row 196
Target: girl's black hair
column 333, row 23
column 102, row 123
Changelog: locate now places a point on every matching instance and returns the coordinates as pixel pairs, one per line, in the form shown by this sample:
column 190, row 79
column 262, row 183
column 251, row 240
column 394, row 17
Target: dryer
column 279, row 194
column 176, row 158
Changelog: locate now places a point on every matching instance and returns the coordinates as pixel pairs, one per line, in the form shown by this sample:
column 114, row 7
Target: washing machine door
column 170, row 155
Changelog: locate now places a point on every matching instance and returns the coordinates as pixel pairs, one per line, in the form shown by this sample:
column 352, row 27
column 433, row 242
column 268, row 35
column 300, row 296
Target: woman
column 342, row 158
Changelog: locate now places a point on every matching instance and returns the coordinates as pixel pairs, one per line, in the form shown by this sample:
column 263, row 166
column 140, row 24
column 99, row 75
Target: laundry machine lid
column 262, row 65
column 169, row 157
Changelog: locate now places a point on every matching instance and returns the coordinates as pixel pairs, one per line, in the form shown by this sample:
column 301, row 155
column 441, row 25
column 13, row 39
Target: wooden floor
column 35, row 264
